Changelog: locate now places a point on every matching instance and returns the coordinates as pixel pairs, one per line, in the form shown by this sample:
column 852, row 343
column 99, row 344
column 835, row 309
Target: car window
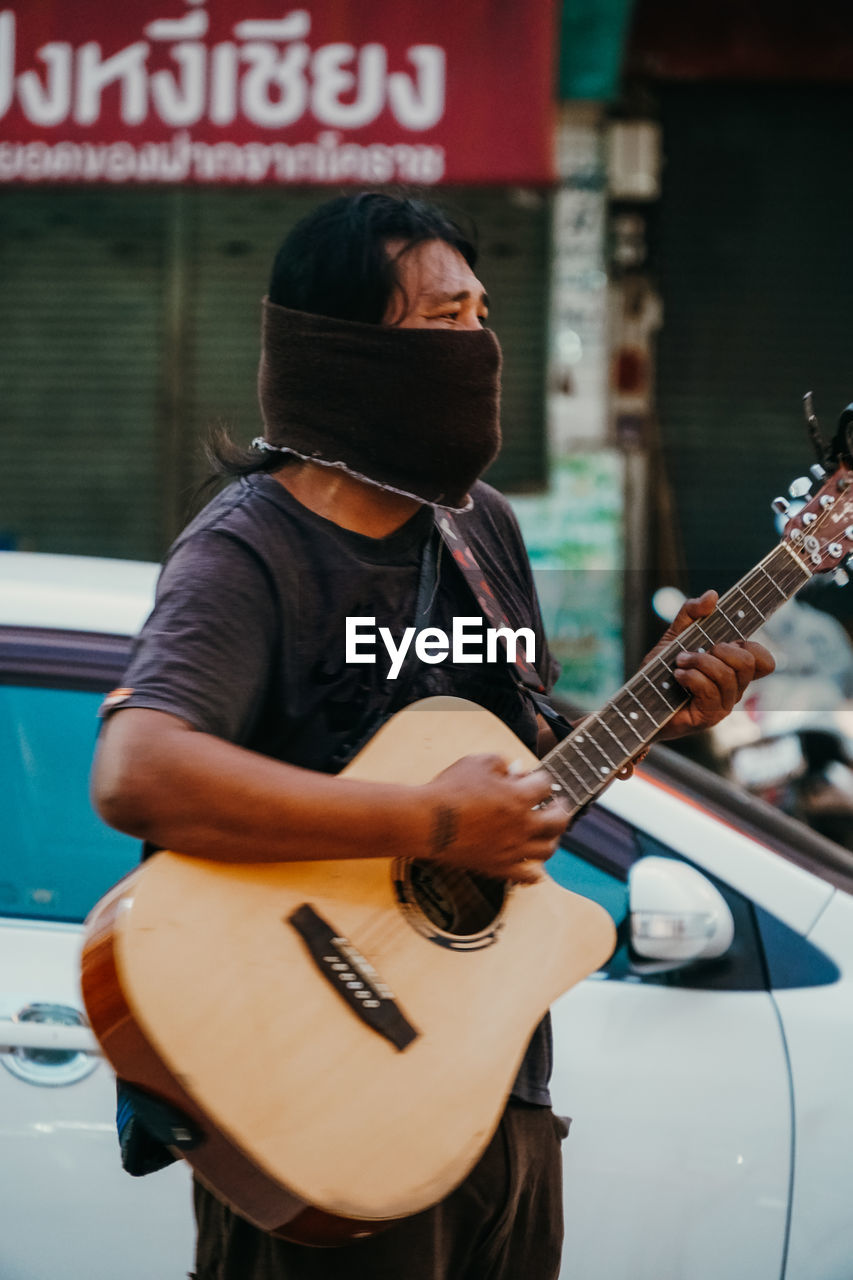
column 571, row 869
column 596, row 854
column 58, row 858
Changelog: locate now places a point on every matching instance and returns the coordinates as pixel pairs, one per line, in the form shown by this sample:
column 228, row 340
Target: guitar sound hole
column 460, row 903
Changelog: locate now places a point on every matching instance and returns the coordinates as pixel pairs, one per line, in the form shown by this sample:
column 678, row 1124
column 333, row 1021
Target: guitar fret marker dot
column 634, row 715
column 740, row 613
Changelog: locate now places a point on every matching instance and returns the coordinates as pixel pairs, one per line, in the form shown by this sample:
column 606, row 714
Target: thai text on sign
column 205, row 92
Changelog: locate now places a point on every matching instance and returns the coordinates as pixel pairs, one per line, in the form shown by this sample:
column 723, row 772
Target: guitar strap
column 526, row 676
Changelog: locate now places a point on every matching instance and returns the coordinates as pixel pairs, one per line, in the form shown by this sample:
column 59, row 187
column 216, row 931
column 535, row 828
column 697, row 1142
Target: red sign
column 370, row 91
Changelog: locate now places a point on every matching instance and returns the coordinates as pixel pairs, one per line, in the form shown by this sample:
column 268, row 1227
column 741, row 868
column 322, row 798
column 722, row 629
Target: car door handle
column 45, row 1035
column 48, row 1044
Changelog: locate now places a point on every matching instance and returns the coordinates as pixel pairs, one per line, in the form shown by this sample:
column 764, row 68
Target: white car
column 67, row 1208
column 706, row 1068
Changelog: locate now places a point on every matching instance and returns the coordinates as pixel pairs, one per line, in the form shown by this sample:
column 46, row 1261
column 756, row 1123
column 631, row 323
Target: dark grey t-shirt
column 247, row 637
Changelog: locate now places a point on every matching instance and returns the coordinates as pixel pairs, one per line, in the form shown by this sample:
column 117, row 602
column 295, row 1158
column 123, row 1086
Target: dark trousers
column 505, row 1222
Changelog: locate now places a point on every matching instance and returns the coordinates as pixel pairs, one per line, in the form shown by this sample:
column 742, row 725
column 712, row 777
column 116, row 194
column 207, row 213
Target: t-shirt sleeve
column 204, row 654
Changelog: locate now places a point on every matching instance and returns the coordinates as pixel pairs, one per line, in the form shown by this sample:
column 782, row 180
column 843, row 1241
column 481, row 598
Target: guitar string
column 765, row 596
column 460, row 883
column 762, row 602
column 762, row 592
column 462, row 886
column 705, row 630
column 656, row 666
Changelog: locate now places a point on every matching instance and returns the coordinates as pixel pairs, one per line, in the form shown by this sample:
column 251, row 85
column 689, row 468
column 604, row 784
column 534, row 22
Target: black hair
column 334, row 262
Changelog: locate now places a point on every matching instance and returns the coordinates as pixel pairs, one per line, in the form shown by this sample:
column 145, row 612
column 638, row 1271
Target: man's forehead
column 459, row 295
column 436, row 269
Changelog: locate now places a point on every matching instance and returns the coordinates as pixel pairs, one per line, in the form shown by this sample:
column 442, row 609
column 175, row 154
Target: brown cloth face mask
column 411, row 410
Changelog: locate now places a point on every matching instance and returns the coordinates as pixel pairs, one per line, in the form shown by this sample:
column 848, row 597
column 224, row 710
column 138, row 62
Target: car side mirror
column 676, row 915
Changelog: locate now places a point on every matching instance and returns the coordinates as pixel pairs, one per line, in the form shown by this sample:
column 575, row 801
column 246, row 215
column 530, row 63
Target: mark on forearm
column 445, row 828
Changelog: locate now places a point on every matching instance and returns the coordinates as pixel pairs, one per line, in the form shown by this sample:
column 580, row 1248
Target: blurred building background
column 661, row 193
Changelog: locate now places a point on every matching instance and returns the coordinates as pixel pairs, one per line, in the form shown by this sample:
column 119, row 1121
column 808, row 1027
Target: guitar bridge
column 353, row 977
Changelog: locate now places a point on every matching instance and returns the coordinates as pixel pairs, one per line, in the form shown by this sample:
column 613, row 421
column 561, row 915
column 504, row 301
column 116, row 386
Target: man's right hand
column 486, row 819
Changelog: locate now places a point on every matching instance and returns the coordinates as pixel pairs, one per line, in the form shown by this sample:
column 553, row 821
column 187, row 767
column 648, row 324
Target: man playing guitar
column 379, row 391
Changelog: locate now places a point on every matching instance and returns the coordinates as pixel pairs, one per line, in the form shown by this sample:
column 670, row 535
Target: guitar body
column 202, row 986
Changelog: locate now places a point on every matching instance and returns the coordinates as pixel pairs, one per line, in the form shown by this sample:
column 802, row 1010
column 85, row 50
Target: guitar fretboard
column 585, row 761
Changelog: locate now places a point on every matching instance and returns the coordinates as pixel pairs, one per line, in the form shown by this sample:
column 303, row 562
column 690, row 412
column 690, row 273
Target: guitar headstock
column 821, row 531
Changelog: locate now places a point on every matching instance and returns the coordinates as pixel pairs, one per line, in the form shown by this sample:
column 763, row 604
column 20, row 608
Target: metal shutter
column 753, row 253
column 81, row 338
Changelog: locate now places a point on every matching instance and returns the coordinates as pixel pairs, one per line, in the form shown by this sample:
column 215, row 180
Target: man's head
column 380, row 259
column 343, row 383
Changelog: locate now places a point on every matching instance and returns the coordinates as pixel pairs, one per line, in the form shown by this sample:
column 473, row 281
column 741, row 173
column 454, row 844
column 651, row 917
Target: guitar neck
column 585, row 761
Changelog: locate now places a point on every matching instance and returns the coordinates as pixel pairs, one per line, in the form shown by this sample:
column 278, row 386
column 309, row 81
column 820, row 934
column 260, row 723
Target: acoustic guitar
column 342, row 1036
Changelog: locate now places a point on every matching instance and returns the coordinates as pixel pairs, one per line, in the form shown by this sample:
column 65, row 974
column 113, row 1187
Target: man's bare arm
column 157, row 778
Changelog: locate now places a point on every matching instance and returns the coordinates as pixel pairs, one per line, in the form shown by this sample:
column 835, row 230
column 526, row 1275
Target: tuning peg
column 781, row 506
column 817, row 472
column 841, row 577
column 800, row 487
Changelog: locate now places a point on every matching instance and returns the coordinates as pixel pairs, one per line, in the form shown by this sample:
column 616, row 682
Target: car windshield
column 57, row 856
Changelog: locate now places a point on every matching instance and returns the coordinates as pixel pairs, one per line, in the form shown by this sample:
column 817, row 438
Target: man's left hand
column 716, row 680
